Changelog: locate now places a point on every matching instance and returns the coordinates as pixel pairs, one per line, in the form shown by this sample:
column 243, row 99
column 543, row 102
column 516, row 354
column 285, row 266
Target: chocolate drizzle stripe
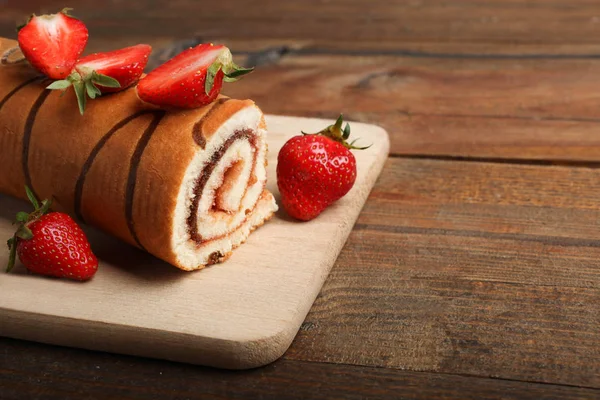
column 192, row 221
column 16, row 90
column 133, row 168
column 79, row 185
column 27, row 136
column 198, row 126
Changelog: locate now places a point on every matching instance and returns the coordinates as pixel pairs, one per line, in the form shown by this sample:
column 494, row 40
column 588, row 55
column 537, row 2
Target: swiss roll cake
column 187, row 186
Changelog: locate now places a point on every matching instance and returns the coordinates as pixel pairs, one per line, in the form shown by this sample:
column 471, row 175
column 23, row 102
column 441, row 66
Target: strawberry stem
column 335, row 132
column 45, row 206
column 66, row 11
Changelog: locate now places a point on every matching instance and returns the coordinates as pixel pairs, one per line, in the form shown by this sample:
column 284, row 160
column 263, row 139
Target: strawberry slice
column 191, row 79
column 101, row 73
column 53, row 43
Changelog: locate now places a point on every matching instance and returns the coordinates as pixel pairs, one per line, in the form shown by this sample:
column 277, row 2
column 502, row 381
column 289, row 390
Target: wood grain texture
column 497, row 21
column 472, row 268
column 49, row 373
column 497, row 108
column 243, row 313
column 483, row 269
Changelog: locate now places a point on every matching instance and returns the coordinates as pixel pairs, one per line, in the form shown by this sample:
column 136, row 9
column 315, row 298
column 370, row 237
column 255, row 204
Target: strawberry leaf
column 22, row 216
column 79, row 87
column 210, row 76
column 339, row 122
column 353, row 147
column 235, row 72
column 105, row 80
column 346, row 134
column 24, row 233
column 12, row 256
column 32, row 198
column 92, row 90
column 59, row 85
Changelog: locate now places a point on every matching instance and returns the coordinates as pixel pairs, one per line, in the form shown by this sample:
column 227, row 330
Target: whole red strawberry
column 51, row 244
column 191, row 79
column 53, row 43
column 315, row 170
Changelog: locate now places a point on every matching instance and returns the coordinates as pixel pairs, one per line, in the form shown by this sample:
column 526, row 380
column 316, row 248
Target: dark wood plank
column 523, row 138
column 525, row 202
column 497, row 21
column 470, row 268
column 509, row 108
column 36, row 371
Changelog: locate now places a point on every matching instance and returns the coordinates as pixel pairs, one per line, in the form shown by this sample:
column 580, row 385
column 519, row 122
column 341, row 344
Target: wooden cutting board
column 240, row 314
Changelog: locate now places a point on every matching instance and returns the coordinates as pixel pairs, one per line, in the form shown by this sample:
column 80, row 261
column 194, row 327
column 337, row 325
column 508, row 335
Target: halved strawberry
column 125, row 65
column 108, row 72
column 191, row 79
column 53, row 43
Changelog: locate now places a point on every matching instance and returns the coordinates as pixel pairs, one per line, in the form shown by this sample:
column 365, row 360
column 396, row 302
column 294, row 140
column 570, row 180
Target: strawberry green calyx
column 335, row 132
column 67, row 11
column 23, row 220
column 231, row 71
column 84, row 84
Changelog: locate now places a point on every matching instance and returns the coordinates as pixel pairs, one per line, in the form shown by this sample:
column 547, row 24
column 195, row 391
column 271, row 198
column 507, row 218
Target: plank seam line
column 499, row 160
column 464, row 375
column 508, row 283
column 444, row 277
column 308, row 51
column 533, row 118
column 549, row 240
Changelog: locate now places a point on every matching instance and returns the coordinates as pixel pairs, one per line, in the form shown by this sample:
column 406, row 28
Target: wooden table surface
column 474, row 269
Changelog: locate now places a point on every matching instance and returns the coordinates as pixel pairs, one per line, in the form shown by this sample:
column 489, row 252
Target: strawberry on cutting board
column 51, row 244
column 53, row 43
column 107, row 72
column 191, row 79
column 315, row 170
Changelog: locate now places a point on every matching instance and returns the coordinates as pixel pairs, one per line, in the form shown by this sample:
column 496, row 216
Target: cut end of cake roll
column 222, row 197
